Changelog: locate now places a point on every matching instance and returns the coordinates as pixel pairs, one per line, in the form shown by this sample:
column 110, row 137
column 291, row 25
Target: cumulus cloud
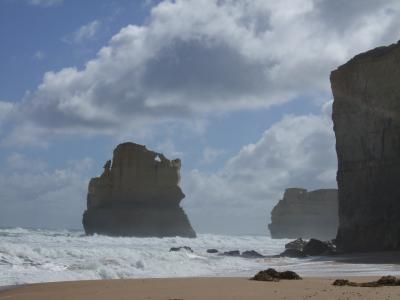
column 195, row 58
column 86, row 32
column 5, row 111
column 168, row 148
column 297, row 151
column 211, row 154
column 39, row 55
column 18, row 161
column 32, row 194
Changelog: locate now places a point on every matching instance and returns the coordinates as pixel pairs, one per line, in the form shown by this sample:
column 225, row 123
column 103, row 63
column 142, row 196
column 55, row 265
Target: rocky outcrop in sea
column 138, row 194
column 305, row 214
column 366, row 117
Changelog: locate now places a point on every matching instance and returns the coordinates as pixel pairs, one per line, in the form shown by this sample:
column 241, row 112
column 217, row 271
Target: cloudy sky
column 238, row 89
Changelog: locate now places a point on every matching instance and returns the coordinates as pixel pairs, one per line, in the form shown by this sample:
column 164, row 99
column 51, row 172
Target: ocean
column 37, row 255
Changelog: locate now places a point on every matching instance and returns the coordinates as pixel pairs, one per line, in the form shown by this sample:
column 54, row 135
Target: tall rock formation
column 366, row 116
column 305, row 214
column 138, row 194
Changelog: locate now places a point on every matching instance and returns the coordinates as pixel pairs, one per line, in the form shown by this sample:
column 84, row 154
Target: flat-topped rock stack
column 138, row 194
column 305, row 214
column 366, row 117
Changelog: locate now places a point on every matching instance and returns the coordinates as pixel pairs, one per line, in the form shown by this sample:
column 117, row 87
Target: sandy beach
column 198, row 288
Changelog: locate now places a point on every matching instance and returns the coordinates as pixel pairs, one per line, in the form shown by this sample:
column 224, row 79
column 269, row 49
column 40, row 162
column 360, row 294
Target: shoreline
column 199, row 288
column 10, row 287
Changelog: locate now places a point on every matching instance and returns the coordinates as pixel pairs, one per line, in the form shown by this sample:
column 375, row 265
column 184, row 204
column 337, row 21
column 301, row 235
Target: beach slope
column 198, row 288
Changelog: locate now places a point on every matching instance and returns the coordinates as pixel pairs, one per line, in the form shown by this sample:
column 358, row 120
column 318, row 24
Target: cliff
column 138, row 194
column 366, row 117
column 305, row 214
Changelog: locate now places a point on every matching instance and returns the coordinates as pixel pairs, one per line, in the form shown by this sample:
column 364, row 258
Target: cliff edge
column 138, row 194
column 366, row 117
column 305, row 214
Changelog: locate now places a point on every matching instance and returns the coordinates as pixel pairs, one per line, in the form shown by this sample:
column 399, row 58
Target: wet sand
column 199, row 288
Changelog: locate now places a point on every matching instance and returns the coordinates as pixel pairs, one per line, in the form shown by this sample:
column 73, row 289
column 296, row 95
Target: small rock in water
column 212, row 251
column 252, row 254
column 273, row 275
column 293, row 253
column 297, row 244
column 231, row 253
column 173, row 249
column 140, row 264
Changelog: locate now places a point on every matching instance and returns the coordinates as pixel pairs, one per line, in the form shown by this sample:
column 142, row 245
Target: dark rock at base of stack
column 297, row 244
column 313, row 247
column 316, row 247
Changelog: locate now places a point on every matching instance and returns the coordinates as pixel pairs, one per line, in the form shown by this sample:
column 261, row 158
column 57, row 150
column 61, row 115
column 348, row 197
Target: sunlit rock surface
column 138, row 194
column 366, row 116
column 305, row 214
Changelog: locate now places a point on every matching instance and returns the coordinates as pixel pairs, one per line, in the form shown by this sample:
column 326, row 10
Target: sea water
column 29, row 256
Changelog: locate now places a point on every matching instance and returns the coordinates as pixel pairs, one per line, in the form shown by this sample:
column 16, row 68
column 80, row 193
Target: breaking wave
column 28, row 256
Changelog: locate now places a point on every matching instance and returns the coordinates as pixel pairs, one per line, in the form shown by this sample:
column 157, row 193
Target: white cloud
column 5, row 111
column 26, row 134
column 196, row 58
column 86, row 32
column 210, row 155
column 39, row 55
column 31, row 194
column 5, row 108
column 46, row 3
column 297, row 151
column 167, row 147
column 20, row 162
column 148, row 3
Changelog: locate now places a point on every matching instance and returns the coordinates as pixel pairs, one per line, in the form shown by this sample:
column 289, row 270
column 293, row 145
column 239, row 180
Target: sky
column 238, row 89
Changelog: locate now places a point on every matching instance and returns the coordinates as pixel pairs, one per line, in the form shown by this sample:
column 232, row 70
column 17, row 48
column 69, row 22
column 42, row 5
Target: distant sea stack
column 305, row 214
column 366, row 117
column 138, row 194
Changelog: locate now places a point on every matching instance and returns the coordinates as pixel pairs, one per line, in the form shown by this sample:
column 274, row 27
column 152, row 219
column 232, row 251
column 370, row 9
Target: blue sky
column 37, row 38
column 239, row 90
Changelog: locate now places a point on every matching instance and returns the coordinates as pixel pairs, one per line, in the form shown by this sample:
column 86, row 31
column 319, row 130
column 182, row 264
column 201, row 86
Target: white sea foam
column 28, row 256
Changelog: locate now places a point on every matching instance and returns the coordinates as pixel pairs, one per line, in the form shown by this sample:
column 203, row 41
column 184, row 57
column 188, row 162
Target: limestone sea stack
column 305, row 214
column 366, row 117
column 138, row 194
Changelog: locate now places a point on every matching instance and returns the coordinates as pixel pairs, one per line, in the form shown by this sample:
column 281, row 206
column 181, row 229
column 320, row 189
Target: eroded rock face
column 305, row 214
column 138, row 194
column 366, row 116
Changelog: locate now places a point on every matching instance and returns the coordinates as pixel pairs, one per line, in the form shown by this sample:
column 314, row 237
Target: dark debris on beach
column 273, row 275
column 383, row 281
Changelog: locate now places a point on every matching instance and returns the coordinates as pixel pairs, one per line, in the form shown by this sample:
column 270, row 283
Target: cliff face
column 138, row 194
column 366, row 116
column 305, row 214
